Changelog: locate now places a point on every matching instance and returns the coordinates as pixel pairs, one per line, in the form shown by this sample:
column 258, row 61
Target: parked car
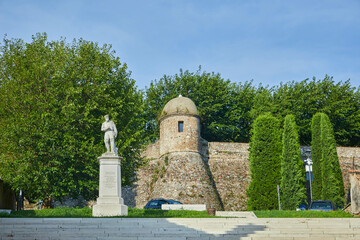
column 156, row 203
column 322, row 206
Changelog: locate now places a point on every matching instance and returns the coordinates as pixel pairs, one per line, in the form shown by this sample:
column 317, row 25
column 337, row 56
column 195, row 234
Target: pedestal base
column 109, row 210
column 109, row 202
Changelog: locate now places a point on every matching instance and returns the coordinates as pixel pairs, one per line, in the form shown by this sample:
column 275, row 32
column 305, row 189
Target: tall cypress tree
column 265, row 163
column 332, row 180
column 292, row 186
column 326, row 161
column 316, row 155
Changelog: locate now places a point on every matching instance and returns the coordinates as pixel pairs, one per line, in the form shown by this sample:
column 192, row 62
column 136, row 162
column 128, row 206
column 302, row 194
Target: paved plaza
column 178, row 228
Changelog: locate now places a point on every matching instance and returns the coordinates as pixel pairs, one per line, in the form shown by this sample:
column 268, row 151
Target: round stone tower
column 179, row 126
column 181, row 171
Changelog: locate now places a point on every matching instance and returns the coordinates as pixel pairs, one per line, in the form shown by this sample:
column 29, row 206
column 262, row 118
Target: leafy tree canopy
column 223, row 106
column 52, row 98
column 228, row 109
column 340, row 101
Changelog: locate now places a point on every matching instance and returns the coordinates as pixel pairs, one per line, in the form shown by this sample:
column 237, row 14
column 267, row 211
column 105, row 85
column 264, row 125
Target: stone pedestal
column 109, row 203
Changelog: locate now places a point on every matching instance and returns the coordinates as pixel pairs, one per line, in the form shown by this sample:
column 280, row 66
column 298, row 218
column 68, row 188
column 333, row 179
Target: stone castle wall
column 349, row 158
column 182, row 176
column 229, row 169
column 152, row 151
column 229, row 166
column 355, row 191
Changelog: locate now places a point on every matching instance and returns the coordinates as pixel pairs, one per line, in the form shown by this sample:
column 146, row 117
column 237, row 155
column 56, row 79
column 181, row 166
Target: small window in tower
column 180, row 126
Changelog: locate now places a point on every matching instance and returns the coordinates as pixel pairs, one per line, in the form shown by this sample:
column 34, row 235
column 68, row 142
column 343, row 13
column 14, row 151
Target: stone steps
column 178, row 229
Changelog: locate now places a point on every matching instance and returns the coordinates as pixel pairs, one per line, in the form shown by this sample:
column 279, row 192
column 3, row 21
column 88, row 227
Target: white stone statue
column 110, row 134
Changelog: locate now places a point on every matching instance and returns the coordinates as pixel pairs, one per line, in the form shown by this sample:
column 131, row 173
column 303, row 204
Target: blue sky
column 267, row 41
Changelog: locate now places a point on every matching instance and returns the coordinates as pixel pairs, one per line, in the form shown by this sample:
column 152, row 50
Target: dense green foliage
column 87, row 213
column 223, row 106
column 316, row 156
column 302, row 214
column 304, row 99
column 332, row 180
column 292, row 186
column 265, row 163
column 328, row 181
column 53, row 96
column 228, row 110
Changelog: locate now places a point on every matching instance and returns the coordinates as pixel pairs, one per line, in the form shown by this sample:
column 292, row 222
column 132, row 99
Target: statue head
column 107, row 117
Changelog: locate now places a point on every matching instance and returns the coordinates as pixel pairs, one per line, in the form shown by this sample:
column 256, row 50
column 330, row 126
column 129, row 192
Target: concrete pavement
column 179, row 228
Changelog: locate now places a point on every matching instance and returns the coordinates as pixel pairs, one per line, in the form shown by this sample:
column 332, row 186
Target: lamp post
column 309, row 169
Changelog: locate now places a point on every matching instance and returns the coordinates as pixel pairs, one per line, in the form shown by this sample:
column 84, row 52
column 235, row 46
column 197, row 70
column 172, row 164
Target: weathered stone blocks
column 171, row 140
column 355, row 191
column 184, row 167
column 230, row 169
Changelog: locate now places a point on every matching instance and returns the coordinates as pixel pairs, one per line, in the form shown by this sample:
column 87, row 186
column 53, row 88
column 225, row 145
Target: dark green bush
column 328, row 181
column 292, row 186
column 265, row 160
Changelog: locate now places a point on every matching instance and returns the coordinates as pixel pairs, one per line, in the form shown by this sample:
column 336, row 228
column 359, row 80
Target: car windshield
column 321, row 205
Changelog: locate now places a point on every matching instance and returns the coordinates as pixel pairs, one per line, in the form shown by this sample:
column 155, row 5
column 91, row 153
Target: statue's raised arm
column 110, row 134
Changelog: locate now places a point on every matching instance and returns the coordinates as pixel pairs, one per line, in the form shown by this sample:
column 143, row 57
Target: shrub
column 292, row 186
column 265, row 155
column 324, row 154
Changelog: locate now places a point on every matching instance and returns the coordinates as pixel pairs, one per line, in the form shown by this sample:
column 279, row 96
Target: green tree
column 228, row 109
column 52, row 99
column 340, row 101
column 327, row 171
column 316, row 156
column 223, row 106
column 263, row 102
column 265, row 163
column 332, row 180
column 292, row 185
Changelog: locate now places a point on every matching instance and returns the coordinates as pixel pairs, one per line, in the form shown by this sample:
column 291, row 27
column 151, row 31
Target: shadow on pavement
column 126, row 228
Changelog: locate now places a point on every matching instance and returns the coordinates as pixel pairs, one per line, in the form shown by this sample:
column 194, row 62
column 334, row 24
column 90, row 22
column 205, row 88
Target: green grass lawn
column 87, row 213
column 302, row 214
column 150, row 213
